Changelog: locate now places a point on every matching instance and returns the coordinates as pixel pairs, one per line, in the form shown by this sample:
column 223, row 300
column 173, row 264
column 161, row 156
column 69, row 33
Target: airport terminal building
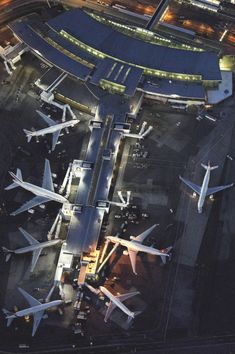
column 120, row 58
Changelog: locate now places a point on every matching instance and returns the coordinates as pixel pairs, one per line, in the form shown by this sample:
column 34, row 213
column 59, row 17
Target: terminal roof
column 134, row 51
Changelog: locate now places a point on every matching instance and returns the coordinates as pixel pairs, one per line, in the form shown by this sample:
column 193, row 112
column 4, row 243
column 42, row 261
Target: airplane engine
column 211, row 197
column 132, row 237
column 42, row 206
column 125, row 253
column 54, row 175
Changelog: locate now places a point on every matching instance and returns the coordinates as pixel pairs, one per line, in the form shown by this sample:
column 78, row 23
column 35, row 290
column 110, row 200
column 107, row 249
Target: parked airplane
column 203, row 191
column 36, row 309
column 142, row 133
column 117, row 301
column 43, row 194
column 135, row 245
column 34, row 246
column 124, row 203
column 53, row 128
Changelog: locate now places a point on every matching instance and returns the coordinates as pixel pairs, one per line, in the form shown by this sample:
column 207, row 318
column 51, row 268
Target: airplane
column 53, row 128
column 36, row 309
column 34, row 246
column 135, row 245
column 203, row 191
column 43, row 194
column 142, row 133
column 117, row 301
column 124, row 203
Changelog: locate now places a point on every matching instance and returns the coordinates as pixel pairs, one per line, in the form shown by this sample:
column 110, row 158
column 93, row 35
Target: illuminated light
column 37, row 51
column 223, row 35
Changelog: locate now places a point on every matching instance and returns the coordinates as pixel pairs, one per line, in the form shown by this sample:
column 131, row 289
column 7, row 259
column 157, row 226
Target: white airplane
column 142, row 133
column 117, row 301
column 34, row 246
column 135, row 245
column 204, row 191
column 53, row 128
column 36, row 309
column 124, row 203
column 43, row 194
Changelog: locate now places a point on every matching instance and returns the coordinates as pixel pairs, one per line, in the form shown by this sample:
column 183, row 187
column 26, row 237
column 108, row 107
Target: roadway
column 11, row 10
column 206, row 26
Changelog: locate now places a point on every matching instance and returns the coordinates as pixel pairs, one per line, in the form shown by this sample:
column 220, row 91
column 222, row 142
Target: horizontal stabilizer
column 8, row 313
column 9, row 321
column 209, row 167
column 7, row 252
column 136, row 313
column 11, row 186
column 16, row 178
column 165, row 251
column 28, row 134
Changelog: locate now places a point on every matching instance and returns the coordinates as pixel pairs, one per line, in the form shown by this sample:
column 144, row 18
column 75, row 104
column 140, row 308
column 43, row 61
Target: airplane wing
column 191, row 185
column 31, row 300
column 48, row 120
column 35, row 257
column 214, row 190
column 55, row 137
column 47, row 182
column 124, row 297
column 111, row 307
column 31, row 240
column 30, row 204
column 140, row 238
column 37, row 316
column 132, row 255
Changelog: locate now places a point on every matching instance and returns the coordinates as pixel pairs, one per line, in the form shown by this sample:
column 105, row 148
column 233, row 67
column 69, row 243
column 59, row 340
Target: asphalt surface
column 206, row 291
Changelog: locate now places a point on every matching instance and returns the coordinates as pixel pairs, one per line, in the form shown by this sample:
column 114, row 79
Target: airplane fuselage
column 42, row 192
column 204, row 188
column 136, row 246
column 54, row 128
column 117, row 302
column 118, row 204
column 132, row 135
column 37, row 246
column 34, row 309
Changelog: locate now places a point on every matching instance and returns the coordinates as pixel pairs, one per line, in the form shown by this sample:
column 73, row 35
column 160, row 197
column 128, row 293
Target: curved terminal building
column 121, row 58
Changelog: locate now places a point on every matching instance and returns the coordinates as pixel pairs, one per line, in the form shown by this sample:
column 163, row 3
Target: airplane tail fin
column 7, row 252
column 28, row 134
column 16, row 178
column 166, row 251
column 209, row 166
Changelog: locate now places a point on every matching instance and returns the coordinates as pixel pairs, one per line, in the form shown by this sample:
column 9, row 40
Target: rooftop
column 133, row 51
